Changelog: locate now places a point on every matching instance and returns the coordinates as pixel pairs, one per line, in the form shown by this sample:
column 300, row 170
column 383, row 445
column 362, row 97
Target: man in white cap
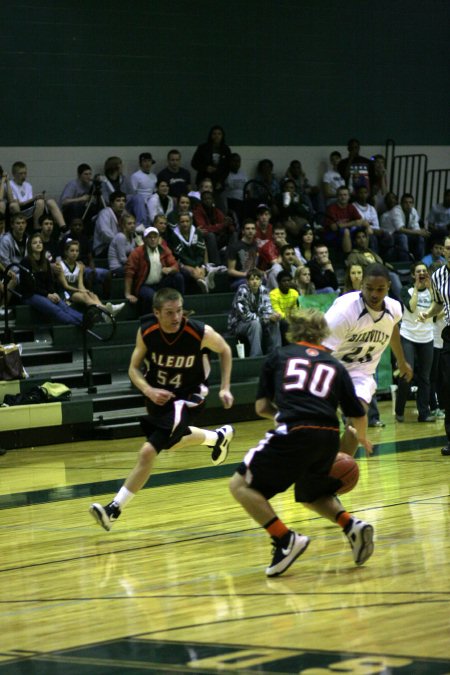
column 150, row 267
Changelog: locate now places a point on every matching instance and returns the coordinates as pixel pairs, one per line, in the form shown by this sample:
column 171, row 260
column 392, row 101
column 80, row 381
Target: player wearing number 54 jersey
column 362, row 324
column 170, row 366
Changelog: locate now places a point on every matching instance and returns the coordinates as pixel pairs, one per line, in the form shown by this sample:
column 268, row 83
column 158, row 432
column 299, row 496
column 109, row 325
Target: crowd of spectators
column 180, row 228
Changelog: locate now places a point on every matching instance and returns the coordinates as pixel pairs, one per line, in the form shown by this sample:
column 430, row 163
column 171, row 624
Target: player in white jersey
column 362, row 325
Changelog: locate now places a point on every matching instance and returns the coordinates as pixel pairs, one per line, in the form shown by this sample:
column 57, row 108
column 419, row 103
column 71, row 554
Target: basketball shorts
column 166, row 425
column 302, row 457
column 365, row 385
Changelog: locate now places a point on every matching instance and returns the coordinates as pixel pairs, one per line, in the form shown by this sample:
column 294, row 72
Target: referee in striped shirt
column 440, row 286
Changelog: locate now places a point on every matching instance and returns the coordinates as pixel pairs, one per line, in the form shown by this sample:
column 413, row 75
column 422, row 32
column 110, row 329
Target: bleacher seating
column 59, row 357
column 115, row 409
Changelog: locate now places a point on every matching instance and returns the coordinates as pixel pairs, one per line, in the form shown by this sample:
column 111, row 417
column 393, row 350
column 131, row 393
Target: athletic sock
column 210, row 438
column 343, row 519
column 123, row 497
column 276, row 528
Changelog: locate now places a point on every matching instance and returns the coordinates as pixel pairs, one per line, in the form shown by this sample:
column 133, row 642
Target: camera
column 97, row 183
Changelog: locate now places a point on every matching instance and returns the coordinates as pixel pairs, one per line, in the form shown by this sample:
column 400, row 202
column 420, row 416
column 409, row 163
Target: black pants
column 444, row 366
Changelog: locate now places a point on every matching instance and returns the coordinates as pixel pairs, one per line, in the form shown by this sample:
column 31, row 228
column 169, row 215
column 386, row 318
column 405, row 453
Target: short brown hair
column 165, row 295
column 254, row 272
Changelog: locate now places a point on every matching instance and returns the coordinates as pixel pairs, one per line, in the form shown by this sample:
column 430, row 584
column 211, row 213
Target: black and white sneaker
column 105, row 516
column 284, row 556
column 360, row 536
column 220, row 450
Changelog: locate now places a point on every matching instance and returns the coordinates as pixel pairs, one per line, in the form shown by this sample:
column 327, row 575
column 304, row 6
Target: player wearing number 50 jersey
column 362, row 324
column 307, row 384
column 300, row 387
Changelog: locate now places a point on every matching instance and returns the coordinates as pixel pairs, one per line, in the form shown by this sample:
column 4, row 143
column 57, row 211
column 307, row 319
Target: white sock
column 123, row 497
column 210, row 437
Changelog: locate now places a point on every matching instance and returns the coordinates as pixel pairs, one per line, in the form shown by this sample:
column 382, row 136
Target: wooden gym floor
column 178, row 585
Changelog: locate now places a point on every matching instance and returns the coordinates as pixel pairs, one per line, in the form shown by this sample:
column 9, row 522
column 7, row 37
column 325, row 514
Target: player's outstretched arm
column 215, row 342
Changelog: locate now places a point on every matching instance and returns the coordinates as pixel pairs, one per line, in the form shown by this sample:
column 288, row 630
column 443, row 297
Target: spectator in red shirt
column 263, row 225
column 270, row 252
column 342, row 219
column 208, row 218
column 150, row 267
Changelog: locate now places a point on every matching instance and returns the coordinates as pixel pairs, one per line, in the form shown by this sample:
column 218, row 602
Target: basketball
column 346, row 469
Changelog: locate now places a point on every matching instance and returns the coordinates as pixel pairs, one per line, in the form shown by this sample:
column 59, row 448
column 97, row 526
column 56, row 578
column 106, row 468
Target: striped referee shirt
column 440, row 280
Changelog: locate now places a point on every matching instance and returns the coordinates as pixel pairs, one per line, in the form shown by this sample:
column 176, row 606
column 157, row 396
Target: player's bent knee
column 147, row 453
column 236, row 484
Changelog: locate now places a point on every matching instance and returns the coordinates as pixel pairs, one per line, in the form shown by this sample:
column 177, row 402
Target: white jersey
column 359, row 335
column 22, row 193
column 71, row 276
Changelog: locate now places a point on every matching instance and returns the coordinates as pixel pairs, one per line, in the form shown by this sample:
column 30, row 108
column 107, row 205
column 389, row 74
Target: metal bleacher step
column 71, row 336
column 42, row 357
column 118, row 424
column 74, row 379
column 19, row 335
column 122, row 430
column 115, row 402
column 119, row 416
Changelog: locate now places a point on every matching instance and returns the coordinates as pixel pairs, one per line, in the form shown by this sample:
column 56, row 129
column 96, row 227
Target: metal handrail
column 88, row 321
column 437, row 181
column 9, row 335
column 86, row 326
column 409, row 175
column 389, row 158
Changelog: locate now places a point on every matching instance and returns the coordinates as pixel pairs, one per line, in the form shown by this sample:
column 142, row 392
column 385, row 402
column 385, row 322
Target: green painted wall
column 273, row 72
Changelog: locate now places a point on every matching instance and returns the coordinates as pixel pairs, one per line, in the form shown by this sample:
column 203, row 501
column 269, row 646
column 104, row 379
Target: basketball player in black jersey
column 174, row 384
column 300, row 388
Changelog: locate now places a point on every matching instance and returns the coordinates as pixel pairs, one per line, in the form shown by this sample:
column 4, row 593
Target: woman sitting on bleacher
column 39, row 289
column 70, row 273
column 122, row 244
column 302, row 281
column 307, row 241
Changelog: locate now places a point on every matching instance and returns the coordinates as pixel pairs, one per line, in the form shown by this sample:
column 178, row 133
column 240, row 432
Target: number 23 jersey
column 360, row 335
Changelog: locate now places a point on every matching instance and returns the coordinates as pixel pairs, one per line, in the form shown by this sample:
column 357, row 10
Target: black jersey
column 175, row 361
column 307, row 384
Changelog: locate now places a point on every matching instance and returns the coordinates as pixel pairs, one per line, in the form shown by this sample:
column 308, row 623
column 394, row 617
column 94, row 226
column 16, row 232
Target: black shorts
column 302, row 457
column 167, row 428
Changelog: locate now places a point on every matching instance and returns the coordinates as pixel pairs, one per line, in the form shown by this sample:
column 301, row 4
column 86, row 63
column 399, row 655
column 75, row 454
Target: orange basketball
column 346, row 469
